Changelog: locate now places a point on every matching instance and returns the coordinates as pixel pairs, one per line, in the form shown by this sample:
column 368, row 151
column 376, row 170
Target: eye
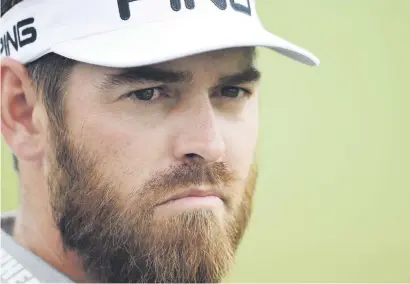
column 150, row 94
column 234, row 92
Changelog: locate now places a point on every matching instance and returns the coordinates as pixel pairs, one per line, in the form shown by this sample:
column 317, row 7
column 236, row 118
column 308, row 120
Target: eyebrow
column 247, row 76
column 143, row 75
column 146, row 74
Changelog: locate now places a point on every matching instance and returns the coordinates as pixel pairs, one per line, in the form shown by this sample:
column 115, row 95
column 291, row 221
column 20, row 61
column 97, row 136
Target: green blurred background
column 333, row 200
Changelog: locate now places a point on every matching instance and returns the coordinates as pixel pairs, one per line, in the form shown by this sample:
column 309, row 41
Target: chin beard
column 122, row 241
column 190, row 247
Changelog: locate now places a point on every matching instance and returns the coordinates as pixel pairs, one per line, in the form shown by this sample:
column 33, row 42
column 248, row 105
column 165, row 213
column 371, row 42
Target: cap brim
column 159, row 42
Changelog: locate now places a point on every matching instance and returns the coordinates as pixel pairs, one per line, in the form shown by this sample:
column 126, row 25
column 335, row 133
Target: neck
column 35, row 230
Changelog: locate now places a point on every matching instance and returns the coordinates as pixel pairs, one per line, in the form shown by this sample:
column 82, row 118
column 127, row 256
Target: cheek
column 125, row 150
column 241, row 139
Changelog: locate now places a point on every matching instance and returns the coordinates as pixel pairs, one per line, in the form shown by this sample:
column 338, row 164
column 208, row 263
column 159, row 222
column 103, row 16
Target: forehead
column 219, row 61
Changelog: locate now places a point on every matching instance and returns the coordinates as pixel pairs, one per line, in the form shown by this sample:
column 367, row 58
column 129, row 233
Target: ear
column 21, row 128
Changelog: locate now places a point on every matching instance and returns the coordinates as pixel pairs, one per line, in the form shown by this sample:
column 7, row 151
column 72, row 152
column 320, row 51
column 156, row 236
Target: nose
column 199, row 135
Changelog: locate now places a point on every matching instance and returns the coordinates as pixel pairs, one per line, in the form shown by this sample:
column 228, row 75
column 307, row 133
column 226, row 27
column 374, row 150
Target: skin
column 106, row 175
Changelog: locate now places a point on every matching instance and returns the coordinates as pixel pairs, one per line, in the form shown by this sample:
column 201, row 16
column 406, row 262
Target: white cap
column 132, row 33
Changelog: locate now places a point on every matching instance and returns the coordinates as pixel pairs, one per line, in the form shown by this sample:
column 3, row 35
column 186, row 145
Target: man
column 134, row 124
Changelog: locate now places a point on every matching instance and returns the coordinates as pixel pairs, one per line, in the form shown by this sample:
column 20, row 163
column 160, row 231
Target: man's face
column 140, row 149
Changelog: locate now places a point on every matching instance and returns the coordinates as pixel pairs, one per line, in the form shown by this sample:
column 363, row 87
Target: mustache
column 215, row 175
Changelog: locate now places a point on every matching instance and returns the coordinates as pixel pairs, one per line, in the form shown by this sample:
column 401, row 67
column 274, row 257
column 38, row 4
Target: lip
column 192, row 193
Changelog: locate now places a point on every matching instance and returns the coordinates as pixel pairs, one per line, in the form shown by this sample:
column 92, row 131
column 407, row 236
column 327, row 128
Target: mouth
column 194, row 197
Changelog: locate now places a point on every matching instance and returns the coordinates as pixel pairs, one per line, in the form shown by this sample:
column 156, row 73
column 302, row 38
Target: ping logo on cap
column 23, row 33
column 176, row 5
